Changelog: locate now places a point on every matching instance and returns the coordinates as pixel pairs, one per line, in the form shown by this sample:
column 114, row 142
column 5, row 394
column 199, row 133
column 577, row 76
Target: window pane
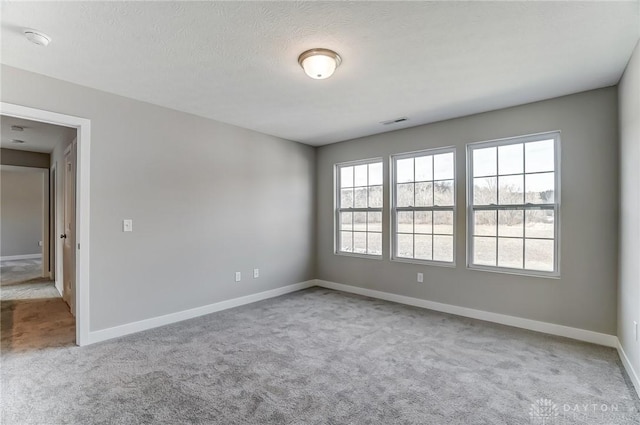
column 405, row 221
column 424, row 168
column 540, row 224
column 360, row 197
column 424, row 194
column 346, row 176
column 484, row 223
column 540, row 188
column 405, row 195
column 346, row 241
column 510, row 159
column 374, row 222
column 484, row 251
column 360, row 242
column 539, row 156
column 375, row 174
column 346, row 220
column 375, row 196
column 443, row 193
column 346, row 198
column 538, row 254
column 442, row 248
column 485, row 191
column 404, row 170
column 360, row 221
column 360, row 172
column 484, row 162
column 374, row 243
column 510, row 223
column 405, row 246
column 510, row 190
column 443, row 166
column 510, row 253
column 443, row 222
column 423, row 222
column 424, row 247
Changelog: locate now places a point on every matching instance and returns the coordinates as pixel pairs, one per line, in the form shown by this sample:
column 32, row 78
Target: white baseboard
column 129, row 328
column 629, row 368
column 518, row 322
column 20, row 257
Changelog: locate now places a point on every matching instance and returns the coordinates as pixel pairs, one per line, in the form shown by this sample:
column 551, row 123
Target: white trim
column 20, row 257
column 518, row 322
column 628, row 367
column 154, row 322
column 83, row 126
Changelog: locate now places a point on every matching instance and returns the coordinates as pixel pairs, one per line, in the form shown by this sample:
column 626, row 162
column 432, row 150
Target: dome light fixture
column 319, row 63
column 37, row 37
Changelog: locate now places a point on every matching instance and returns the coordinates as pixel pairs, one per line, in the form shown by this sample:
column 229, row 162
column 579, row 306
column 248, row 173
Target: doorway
column 67, row 225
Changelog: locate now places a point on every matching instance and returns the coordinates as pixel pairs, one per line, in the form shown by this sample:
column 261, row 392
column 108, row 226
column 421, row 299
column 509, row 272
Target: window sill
column 516, row 272
column 355, row 255
column 424, row 262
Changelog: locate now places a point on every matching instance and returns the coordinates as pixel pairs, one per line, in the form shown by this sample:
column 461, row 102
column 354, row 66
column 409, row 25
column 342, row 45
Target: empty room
column 310, row 212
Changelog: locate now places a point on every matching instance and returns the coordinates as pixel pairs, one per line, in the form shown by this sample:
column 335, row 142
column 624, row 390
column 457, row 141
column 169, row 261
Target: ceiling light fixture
column 37, row 37
column 319, row 63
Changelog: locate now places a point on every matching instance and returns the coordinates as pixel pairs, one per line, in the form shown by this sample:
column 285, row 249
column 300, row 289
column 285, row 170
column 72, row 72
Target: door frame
column 82, row 192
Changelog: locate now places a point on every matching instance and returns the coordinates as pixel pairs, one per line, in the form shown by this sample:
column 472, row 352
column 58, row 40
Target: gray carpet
column 29, row 291
column 20, row 271
column 321, row 357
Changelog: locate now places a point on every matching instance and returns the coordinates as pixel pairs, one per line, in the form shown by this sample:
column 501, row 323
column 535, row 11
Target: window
column 359, row 208
column 514, row 203
column 423, row 206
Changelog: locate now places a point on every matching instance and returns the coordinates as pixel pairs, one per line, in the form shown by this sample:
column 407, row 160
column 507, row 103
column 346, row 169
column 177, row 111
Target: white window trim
column 393, row 208
column 555, row 135
column 336, row 208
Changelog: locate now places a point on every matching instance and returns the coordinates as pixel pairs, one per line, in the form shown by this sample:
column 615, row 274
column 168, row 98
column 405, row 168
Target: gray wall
column 207, row 199
column 21, row 212
column 629, row 283
column 24, row 158
column 585, row 295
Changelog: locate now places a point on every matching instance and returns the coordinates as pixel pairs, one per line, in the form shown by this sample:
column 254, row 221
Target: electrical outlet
column 256, row 273
column 238, row 276
column 635, row 330
column 420, row 278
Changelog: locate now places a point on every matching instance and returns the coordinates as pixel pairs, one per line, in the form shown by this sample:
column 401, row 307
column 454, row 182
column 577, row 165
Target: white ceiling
column 236, row 62
column 38, row 136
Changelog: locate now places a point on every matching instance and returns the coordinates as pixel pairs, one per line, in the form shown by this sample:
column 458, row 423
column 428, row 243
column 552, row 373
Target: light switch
column 127, row 225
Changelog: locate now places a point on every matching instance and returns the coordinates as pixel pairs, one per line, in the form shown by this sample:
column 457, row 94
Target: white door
column 69, row 235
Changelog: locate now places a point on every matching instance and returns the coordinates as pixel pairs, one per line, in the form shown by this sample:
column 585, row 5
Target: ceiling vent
column 395, row 121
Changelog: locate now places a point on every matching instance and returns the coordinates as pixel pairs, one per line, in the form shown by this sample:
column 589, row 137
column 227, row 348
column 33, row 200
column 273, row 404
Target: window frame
column 337, row 208
column 555, row 206
column 394, row 209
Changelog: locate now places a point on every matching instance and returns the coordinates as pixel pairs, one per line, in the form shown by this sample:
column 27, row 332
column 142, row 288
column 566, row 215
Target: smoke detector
column 37, row 37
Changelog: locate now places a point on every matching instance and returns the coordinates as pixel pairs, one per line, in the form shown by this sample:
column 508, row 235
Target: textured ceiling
column 236, row 62
column 38, row 136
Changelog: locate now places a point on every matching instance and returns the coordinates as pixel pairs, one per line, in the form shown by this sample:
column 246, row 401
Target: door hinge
column 78, row 246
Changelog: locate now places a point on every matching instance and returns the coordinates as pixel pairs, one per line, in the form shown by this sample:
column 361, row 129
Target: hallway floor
column 20, row 271
column 33, row 314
